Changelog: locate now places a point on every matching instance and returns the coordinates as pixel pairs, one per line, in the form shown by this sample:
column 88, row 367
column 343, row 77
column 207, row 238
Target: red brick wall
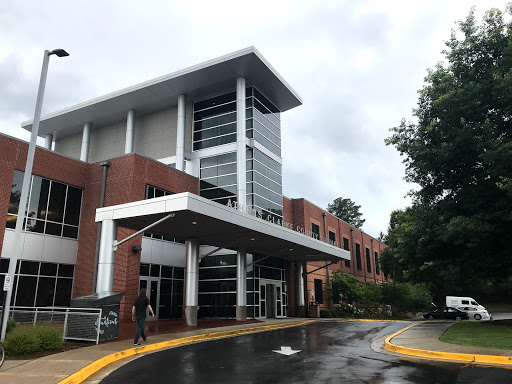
column 302, row 213
column 126, row 181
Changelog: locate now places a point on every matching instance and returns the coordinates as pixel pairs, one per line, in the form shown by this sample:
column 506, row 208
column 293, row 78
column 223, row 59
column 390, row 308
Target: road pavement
column 321, row 352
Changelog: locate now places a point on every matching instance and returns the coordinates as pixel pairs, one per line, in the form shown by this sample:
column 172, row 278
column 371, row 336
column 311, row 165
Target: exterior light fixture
column 252, row 238
column 59, row 52
column 194, row 222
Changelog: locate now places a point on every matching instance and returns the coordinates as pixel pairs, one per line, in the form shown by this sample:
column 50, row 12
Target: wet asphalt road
column 331, row 352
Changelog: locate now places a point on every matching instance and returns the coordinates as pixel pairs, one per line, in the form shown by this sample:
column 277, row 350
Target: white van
column 458, row 301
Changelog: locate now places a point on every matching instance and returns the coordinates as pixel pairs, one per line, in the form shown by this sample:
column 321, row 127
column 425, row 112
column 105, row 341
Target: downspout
column 105, row 165
column 362, row 246
column 326, row 263
column 353, row 252
column 372, row 256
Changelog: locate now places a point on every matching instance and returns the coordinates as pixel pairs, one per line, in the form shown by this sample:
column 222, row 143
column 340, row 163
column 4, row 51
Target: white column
column 180, row 136
column 86, row 138
column 241, row 285
column 240, row 141
column 48, row 141
column 192, row 282
column 300, row 289
column 107, row 255
column 130, row 129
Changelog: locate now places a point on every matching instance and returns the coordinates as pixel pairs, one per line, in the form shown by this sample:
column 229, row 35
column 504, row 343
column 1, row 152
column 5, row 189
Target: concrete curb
column 352, row 319
column 97, row 365
column 486, row 359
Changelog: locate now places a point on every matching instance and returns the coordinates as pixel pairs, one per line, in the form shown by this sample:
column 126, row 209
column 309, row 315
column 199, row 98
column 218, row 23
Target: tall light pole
column 18, row 244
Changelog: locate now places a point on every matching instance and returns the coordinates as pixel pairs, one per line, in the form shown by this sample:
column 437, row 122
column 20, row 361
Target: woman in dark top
column 139, row 314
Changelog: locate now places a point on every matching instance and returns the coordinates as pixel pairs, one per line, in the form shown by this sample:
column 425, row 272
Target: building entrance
column 153, row 287
column 268, row 298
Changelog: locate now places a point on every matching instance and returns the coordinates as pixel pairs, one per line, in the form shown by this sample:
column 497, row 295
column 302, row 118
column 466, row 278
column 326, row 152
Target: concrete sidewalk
column 423, row 340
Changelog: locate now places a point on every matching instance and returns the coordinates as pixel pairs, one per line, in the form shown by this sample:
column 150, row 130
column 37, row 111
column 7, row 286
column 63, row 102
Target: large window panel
column 57, row 201
column 73, row 204
column 26, row 291
column 39, row 198
column 63, row 292
column 45, row 291
column 14, row 201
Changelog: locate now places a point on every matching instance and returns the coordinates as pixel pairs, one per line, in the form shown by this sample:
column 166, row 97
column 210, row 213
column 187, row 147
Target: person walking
column 139, row 314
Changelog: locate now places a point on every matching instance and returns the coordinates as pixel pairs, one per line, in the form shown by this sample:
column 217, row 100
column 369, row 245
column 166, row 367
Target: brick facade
column 127, row 177
column 302, row 213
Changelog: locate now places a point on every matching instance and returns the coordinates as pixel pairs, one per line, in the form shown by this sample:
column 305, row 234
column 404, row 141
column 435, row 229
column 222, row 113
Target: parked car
column 476, row 313
column 449, row 313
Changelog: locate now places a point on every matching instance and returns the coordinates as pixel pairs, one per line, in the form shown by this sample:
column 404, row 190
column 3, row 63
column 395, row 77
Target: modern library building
column 175, row 185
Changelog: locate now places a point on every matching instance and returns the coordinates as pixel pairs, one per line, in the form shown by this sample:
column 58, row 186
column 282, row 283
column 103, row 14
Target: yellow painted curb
column 352, row 319
column 97, row 365
column 487, row 359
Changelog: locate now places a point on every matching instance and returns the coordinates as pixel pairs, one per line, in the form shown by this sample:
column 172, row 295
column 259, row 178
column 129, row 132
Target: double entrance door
column 152, row 285
column 270, row 298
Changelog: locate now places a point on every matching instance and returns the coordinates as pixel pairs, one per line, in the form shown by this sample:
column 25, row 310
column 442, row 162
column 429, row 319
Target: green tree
column 344, row 287
column 459, row 152
column 346, row 210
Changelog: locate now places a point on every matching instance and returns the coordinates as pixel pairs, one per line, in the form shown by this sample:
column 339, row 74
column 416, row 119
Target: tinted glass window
column 48, row 269
column 66, row 270
column 39, row 198
column 29, row 267
column 56, row 203
column 63, row 292
column 14, row 201
column 73, row 202
column 45, row 291
column 26, row 291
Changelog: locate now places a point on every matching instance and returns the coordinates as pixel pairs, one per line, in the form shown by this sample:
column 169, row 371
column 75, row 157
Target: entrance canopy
column 217, row 225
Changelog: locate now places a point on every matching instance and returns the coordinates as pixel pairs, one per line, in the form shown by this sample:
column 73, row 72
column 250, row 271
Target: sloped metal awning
column 220, row 226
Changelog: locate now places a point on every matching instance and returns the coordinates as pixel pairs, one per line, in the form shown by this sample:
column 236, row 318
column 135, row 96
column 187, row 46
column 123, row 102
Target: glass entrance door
column 152, row 286
column 271, row 300
column 268, row 298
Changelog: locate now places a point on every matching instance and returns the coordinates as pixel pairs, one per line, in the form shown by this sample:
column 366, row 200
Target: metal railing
column 76, row 323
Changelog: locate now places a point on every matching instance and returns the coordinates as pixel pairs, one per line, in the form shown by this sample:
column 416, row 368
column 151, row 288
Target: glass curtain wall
column 214, row 122
column 264, row 175
column 217, row 178
column 217, row 286
column 215, row 125
column 53, row 208
column 169, row 299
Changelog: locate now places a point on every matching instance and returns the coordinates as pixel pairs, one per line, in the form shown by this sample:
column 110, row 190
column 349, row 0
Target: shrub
column 11, row 325
column 24, row 340
column 21, row 341
column 48, row 336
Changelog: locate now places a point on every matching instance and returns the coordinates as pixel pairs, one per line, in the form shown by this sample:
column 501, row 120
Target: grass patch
column 498, row 307
column 482, row 335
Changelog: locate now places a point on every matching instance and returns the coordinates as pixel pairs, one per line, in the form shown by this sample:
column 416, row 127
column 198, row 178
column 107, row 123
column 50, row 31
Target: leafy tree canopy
column 459, row 152
column 346, row 210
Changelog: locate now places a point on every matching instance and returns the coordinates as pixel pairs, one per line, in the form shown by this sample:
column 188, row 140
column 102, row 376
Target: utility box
column 109, row 303
column 314, row 310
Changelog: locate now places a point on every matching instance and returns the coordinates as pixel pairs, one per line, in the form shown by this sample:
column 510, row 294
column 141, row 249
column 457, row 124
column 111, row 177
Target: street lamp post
column 18, row 244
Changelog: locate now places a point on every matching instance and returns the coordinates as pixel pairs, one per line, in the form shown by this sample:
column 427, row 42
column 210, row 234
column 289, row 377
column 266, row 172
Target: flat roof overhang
column 220, row 226
column 216, row 75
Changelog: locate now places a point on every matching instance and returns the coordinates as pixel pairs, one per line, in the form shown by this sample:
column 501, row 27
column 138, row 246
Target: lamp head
column 59, row 52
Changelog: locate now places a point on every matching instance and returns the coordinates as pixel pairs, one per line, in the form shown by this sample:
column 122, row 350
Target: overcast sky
column 356, row 64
